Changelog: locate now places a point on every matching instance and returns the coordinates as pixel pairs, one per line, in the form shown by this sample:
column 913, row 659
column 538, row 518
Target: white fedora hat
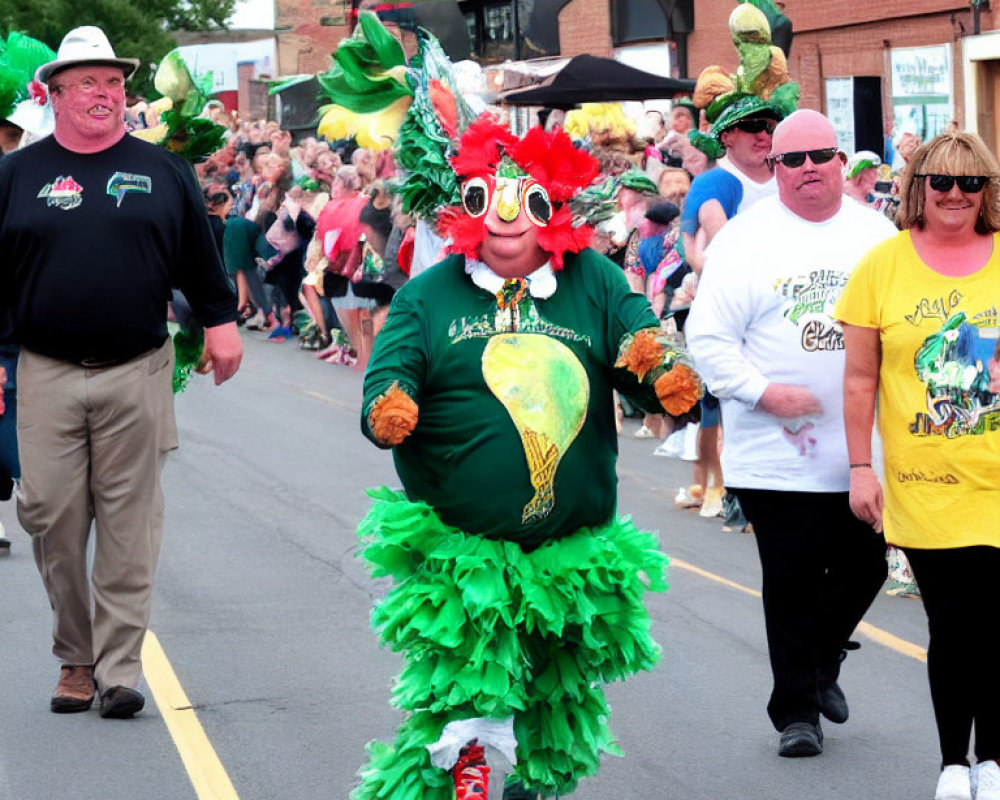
column 85, row 45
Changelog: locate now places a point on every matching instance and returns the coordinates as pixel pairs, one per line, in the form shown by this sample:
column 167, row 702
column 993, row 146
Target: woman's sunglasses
column 796, row 158
column 969, row 184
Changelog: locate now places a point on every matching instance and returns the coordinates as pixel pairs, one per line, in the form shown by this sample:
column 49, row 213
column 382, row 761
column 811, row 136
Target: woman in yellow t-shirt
column 920, row 319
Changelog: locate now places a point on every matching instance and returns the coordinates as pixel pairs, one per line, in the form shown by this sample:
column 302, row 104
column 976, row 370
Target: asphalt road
column 261, row 609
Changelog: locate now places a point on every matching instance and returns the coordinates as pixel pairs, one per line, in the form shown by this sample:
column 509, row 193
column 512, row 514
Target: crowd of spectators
column 304, row 228
column 316, row 243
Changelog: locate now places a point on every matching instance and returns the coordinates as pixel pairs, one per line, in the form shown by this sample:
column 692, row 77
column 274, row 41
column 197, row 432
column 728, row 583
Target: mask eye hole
column 475, row 197
column 536, row 205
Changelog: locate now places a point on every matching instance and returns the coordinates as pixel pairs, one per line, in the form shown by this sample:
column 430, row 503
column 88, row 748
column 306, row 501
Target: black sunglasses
column 757, row 125
column 969, row 184
column 796, row 158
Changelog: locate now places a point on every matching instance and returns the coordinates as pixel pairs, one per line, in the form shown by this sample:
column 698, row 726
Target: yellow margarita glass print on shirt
column 545, row 390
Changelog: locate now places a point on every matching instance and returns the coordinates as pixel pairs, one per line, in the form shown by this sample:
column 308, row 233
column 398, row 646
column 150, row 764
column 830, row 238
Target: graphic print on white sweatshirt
column 807, row 302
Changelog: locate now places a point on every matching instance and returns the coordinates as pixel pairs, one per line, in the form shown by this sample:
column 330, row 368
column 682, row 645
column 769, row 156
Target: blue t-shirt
column 716, row 184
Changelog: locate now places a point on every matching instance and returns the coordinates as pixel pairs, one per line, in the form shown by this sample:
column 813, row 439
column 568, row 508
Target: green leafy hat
column 748, row 105
column 759, row 87
column 638, row 181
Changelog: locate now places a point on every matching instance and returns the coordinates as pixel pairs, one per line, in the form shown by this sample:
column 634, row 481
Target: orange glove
column 678, row 390
column 393, row 417
column 643, row 354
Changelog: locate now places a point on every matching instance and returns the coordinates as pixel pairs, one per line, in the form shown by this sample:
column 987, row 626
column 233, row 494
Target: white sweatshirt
column 763, row 314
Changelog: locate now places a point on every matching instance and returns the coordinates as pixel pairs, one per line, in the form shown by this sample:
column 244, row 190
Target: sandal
column 314, row 340
column 246, row 311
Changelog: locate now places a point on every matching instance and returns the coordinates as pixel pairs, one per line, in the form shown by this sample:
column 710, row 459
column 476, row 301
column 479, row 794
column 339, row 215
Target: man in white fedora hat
column 96, row 227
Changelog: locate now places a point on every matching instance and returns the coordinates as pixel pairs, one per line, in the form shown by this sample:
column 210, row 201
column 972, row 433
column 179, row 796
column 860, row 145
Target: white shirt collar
column 541, row 282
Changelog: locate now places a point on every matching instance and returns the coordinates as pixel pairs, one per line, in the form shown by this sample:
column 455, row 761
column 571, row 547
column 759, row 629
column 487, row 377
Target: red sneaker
column 472, row 776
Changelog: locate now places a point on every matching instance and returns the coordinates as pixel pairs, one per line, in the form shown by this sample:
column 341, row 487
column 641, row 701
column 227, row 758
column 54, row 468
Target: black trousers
column 822, row 568
column 959, row 592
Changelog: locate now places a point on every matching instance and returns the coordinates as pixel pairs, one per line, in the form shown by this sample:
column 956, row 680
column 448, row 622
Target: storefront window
column 922, row 95
column 500, row 32
column 498, row 23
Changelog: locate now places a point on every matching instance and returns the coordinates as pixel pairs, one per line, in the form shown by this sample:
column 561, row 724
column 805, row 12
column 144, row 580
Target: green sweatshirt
column 516, row 435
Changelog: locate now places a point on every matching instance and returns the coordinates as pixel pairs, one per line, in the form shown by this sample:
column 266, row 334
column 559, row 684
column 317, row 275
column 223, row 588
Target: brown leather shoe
column 75, row 691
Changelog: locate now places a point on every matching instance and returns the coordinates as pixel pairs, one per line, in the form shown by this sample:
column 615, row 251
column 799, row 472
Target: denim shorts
column 709, row 411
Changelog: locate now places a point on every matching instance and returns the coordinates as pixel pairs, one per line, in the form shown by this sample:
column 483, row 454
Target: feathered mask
column 536, row 175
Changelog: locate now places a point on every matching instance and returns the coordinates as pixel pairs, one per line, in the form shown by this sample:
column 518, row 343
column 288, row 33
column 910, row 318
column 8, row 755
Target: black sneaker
column 121, row 702
column 800, row 739
column 832, row 703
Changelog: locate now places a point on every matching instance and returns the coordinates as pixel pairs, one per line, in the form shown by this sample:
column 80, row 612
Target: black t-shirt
column 92, row 244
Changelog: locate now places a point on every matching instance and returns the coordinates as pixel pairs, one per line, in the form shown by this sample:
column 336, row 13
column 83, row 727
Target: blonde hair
column 950, row 153
column 349, row 177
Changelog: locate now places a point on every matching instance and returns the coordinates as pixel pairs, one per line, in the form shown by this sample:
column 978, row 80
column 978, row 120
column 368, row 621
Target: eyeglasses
column 756, row 125
column 796, row 158
column 969, row 184
column 91, row 85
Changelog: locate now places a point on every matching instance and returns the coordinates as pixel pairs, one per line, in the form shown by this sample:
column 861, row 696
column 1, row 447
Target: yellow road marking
column 330, row 401
column 676, row 562
column 894, row 642
column 884, row 638
column 208, row 776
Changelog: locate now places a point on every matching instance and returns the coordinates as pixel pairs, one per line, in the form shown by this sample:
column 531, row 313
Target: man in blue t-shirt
column 739, row 179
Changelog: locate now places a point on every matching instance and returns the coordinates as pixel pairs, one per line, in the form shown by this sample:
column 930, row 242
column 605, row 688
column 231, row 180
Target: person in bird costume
column 517, row 592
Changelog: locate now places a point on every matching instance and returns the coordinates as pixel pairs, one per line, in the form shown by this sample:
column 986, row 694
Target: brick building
column 307, row 33
column 905, row 60
column 912, row 64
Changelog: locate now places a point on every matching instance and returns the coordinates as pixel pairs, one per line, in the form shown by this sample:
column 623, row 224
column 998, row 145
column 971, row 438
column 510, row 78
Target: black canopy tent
column 589, row 79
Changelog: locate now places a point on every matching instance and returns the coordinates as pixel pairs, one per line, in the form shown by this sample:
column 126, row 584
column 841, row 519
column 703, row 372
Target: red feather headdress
column 548, row 157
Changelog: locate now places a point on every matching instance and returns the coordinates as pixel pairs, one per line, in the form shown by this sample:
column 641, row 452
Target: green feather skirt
column 489, row 630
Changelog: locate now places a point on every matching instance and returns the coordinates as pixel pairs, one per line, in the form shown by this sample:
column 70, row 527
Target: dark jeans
column 822, row 568
column 287, row 275
column 958, row 589
column 256, row 288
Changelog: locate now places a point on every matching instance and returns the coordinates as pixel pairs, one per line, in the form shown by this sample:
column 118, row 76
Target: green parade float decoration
column 20, row 56
column 759, row 86
column 382, row 101
column 182, row 130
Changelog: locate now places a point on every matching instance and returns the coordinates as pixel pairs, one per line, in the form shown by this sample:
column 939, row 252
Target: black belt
column 102, row 363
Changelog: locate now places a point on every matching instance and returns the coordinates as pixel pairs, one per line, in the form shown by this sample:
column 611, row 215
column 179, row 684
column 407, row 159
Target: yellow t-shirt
column 939, row 423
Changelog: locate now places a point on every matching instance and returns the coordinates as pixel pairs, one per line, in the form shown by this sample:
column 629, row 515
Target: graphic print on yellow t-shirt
column 952, row 364
column 938, row 422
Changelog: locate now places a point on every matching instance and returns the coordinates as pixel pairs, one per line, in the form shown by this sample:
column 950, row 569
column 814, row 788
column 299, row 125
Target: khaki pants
column 93, row 443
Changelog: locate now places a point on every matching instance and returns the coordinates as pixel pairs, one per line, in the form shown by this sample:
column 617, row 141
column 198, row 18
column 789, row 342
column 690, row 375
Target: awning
column 589, row 79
